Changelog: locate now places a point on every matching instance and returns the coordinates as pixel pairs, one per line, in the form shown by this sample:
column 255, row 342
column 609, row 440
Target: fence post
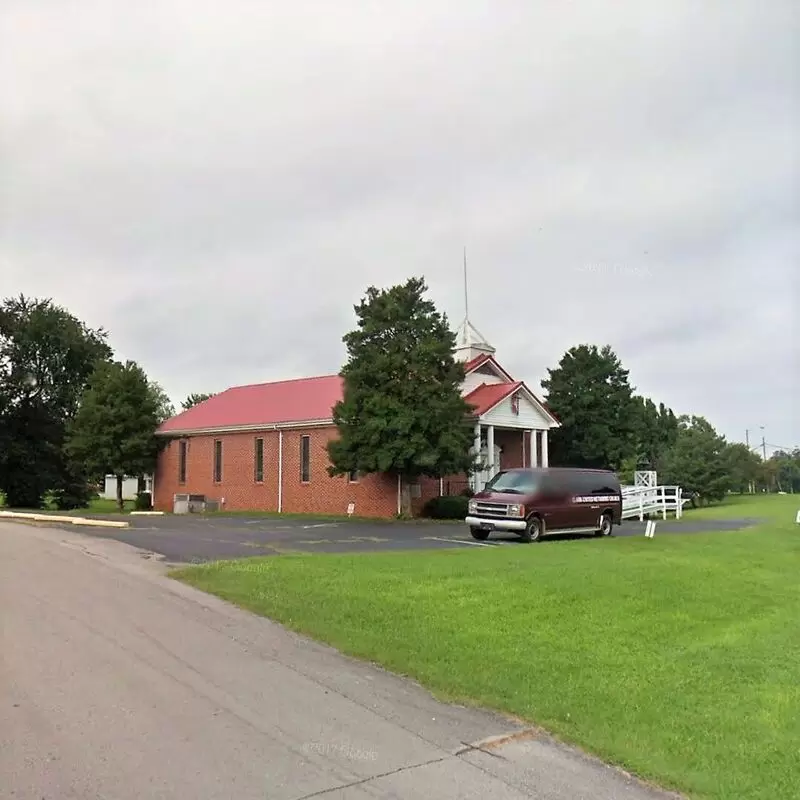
column 679, row 497
column 641, row 506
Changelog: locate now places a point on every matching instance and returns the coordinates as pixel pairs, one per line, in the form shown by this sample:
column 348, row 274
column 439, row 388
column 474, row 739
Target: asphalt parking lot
column 196, row 539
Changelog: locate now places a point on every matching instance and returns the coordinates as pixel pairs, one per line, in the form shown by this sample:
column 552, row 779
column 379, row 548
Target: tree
column 590, row 394
column 402, row 412
column 786, row 470
column 742, row 465
column 195, row 399
column 164, row 404
column 698, row 461
column 656, row 430
column 46, row 358
column 114, row 430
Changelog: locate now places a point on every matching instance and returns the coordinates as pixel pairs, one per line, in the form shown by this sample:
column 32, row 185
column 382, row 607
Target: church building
column 262, row 447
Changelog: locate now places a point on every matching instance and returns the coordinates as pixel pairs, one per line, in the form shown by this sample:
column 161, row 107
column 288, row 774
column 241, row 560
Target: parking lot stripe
column 460, row 541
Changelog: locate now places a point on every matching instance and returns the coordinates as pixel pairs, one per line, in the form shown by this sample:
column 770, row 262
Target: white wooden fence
column 641, row 501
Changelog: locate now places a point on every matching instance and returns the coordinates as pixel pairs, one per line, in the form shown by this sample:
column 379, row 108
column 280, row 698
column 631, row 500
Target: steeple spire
column 470, row 342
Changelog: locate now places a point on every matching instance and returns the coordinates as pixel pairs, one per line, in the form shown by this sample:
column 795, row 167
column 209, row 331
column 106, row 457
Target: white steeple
column 470, row 342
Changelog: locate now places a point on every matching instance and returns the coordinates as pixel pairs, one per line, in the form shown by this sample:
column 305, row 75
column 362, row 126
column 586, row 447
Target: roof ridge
column 284, row 380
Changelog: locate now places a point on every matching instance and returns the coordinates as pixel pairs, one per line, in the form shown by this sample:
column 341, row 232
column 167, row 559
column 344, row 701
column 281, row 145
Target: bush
column 74, row 494
column 447, row 507
column 144, row 502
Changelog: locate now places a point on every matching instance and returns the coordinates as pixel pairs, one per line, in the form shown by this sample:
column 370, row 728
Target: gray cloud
column 217, row 183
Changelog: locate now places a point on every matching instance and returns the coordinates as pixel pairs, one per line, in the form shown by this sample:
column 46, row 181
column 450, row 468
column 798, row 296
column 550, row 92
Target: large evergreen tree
column 698, row 460
column 656, row 430
column 46, row 358
column 114, row 430
column 402, row 411
column 590, row 394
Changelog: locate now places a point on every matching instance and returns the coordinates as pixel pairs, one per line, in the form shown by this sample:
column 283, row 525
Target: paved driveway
column 116, row 682
column 195, row 538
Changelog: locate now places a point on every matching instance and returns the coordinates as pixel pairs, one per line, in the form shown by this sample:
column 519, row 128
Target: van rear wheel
column 479, row 534
column 606, row 525
column 533, row 530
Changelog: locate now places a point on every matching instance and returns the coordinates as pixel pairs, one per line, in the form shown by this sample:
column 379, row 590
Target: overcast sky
column 217, row 182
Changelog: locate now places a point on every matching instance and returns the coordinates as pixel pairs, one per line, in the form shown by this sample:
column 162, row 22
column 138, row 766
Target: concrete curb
column 98, row 523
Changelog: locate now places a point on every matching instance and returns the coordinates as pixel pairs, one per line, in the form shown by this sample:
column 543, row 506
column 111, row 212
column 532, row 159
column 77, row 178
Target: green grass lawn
column 677, row 658
column 99, row 505
column 762, row 506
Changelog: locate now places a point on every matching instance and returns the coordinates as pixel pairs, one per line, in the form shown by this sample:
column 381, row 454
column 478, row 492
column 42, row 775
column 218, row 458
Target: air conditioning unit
column 191, row 504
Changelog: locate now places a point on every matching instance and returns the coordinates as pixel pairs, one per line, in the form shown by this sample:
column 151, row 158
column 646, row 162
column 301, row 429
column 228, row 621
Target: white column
column 534, row 449
column 545, row 454
column 477, row 447
column 490, row 451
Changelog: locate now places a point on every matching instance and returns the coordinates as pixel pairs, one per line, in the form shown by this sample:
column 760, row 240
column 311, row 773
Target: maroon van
column 535, row 502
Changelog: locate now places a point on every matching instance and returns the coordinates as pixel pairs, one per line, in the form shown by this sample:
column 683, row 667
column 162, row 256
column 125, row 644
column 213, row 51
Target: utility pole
column 763, row 443
column 747, row 438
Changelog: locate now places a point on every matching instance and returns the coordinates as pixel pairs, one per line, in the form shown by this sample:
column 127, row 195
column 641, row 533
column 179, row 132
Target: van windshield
column 515, row 482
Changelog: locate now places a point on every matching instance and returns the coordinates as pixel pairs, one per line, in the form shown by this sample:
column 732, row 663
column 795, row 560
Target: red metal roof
column 301, row 400
column 488, row 395
column 284, row 402
column 476, row 362
column 485, row 358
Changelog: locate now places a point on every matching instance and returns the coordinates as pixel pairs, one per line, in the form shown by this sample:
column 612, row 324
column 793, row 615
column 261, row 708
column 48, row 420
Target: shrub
column 75, row 494
column 447, row 507
column 144, row 502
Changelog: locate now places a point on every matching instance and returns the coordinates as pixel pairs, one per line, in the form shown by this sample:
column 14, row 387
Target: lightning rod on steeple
column 470, row 341
column 466, row 292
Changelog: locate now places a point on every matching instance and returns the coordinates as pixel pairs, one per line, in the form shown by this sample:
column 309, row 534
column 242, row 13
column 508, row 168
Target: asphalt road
column 116, row 682
column 193, row 538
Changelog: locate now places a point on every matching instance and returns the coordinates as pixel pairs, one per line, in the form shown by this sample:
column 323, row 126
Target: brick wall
column 373, row 495
column 511, row 442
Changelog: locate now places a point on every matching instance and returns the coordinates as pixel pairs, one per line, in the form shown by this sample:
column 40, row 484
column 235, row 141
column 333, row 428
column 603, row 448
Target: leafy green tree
column 165, row 407
column 195, row 399
column 46, row 358
column 742, row 465
column 786, row 470
column 113, row 432
column 590, row 393
column 402, row 412
column 656, row 430
column 698, row 460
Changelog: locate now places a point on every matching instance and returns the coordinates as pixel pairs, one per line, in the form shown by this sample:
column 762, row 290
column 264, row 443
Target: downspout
column 280, row 471
column 441, row 487
column 399, row 495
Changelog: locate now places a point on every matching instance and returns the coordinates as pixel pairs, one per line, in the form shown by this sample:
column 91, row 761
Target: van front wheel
column 479, row 534
column 533, row 530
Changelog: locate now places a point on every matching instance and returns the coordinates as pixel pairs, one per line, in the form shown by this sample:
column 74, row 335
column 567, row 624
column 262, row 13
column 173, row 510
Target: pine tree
column 590, row 394
column 402, row 412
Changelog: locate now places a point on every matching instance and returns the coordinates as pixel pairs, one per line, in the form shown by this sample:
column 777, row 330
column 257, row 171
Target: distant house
column 130, row 487
column 263, row 446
